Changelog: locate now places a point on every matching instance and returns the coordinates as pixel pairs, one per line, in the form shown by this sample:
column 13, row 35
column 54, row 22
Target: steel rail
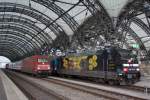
column 95, row 91
column 36, row 91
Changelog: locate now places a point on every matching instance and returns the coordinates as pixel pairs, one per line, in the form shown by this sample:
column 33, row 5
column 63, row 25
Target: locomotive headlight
column 48, row 67
column 38, row 68
column 120, row 74
column 125, row 69
column 137, row 69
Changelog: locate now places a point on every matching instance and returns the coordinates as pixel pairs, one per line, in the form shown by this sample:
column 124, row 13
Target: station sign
column 136, row 46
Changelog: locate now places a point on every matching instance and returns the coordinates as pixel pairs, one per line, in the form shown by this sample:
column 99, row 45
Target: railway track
column 39, row 92
column 137, row 88
column 32, row 90
column 41, row 81
column 95, row 91
column 141, row 89
column 72, row 86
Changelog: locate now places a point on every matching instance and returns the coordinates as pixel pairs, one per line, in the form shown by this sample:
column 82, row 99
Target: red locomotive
column 35, row 65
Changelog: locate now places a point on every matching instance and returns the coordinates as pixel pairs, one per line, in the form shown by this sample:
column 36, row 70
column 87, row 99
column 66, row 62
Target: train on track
column 111, row 65
column 35, row 65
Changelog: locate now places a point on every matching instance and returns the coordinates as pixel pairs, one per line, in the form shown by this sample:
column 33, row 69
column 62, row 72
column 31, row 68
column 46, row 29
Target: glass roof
column 114, row 7
column 42, row 22
column 39, row 21
column 79, row 13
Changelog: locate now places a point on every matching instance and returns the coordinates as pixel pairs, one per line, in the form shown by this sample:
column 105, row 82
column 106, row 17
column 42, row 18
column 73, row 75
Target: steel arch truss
column 22, row 9
column 19, row 32
column 93, row 28
column 24, row 29
column 128, row 31
column 25, row 23
column 16, row 22
column 130, row 14
column 61, row 42
column 50, row 4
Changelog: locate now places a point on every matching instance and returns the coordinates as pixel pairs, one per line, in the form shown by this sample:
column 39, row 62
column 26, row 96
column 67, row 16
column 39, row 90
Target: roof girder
column 19, row 30
column 126, row 27
column 130, row 13
column 11, row 47
column 137, row 39
column 17, row 41
column 10, row 52
column 141, row 24
column 7, row 54
column 59, row 11
column 26, row 22
column 22, row 9
column 6, row 37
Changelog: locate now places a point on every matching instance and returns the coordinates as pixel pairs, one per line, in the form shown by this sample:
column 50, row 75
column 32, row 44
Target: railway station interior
column 57, row 28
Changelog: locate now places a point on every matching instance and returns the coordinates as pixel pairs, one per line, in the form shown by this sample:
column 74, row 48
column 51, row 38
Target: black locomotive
column 112, row 65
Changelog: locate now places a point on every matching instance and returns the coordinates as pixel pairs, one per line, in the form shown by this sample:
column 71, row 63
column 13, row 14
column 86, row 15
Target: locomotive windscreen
column 42, row 60
column 127, row 54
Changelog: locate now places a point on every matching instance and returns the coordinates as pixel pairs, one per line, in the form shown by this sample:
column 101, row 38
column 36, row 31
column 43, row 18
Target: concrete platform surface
column 2, row 91
column 11, row 90
column 113, row 89
column 144, row 82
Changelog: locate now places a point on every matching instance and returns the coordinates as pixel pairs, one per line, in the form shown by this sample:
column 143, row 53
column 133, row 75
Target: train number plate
column 129, row 75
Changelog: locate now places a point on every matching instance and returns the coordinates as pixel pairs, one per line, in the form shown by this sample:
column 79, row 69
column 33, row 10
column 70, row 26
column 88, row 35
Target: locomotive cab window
column 42, row 60
column 126, row 55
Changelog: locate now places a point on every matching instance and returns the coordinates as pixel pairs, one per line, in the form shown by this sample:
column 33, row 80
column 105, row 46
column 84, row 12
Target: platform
column 144, row 82
column 113, row 89
column 2, row 91
column 8, row 90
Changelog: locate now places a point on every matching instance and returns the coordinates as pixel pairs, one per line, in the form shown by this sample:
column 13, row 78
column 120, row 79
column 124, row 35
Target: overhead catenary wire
column 68, row 3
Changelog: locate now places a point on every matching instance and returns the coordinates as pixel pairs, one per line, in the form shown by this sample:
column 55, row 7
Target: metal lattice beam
column 17, row 41
column 7, row 54
column 21, row 31
column 18, row 8
column 99, row 24
column 141, row 24
column 130, row 14
column 20, row 52
column 59, row 11
column 25, row 23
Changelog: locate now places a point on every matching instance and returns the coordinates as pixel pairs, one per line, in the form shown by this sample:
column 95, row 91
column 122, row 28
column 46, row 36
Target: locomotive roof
column 36, row 56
